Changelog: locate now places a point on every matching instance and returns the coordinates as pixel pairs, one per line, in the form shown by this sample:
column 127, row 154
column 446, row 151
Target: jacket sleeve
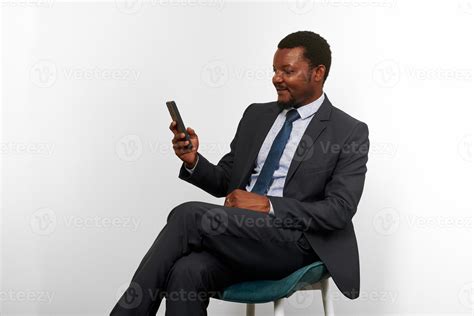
column 214, row 179
column 342, row 192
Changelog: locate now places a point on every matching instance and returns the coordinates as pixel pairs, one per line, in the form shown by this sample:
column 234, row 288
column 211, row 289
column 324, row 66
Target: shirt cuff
column 191, row 170
column 271, row 209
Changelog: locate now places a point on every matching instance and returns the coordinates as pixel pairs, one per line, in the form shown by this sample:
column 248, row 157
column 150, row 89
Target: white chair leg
column 279, row 307
column 250, row 309
column 326, row 294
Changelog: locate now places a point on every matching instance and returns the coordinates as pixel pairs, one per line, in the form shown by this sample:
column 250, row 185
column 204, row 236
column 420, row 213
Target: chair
column 311, row 277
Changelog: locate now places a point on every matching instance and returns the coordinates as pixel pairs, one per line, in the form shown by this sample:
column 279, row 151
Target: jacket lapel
column 306, row 148
column 263, row 124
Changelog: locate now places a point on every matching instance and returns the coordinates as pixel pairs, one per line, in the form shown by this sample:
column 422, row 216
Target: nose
column 277, row 77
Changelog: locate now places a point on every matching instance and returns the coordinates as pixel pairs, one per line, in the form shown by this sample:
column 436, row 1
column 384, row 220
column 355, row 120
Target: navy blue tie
column 272, row 161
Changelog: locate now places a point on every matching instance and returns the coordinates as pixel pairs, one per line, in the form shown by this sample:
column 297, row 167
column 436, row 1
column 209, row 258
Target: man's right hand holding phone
column 188, row 156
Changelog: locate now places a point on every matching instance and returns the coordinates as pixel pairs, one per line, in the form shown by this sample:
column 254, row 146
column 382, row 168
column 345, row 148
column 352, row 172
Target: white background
column 89, row 175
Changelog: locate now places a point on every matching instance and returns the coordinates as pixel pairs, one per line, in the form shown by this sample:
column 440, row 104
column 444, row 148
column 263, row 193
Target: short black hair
column 316, row 49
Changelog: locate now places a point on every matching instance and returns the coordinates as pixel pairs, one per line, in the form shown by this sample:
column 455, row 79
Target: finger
column 173, row 127
column 181, row 144
column 178, row 136
column 191, row 131
column 183, row 151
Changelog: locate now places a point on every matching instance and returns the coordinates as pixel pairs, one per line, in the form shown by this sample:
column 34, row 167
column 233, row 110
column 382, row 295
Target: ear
column 318, row 73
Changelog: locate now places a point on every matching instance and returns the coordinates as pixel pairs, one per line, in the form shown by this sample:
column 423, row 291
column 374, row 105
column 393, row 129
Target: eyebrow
column 283, row 66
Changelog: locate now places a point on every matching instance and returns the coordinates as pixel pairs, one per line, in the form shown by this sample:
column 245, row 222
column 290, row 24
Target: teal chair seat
column 262, row 291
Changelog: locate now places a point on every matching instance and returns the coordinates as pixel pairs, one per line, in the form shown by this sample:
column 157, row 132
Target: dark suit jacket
column 322, row 188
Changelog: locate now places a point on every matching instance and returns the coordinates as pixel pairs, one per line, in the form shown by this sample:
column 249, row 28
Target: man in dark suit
column 292, row 180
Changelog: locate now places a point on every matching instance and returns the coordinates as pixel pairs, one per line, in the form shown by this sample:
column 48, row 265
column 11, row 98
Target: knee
column 184, row 209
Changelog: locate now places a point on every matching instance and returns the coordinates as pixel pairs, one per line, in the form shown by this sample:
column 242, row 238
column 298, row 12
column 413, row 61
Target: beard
column 291, row 103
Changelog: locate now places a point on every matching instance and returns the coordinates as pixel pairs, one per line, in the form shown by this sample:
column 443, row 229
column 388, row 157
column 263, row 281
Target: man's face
column 295, row 82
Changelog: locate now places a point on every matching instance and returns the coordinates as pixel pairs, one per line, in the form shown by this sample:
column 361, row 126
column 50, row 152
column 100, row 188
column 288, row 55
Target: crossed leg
column 193, row 279
column 205, row 247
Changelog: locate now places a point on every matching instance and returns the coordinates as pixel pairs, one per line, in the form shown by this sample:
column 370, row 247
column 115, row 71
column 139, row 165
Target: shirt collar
column 309, row 109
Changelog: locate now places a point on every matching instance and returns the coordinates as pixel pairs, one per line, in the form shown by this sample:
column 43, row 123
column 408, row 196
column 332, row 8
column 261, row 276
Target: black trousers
column 204, row 248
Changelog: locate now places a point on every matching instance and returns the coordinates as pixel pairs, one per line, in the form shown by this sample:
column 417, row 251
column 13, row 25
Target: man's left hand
column 248, row 200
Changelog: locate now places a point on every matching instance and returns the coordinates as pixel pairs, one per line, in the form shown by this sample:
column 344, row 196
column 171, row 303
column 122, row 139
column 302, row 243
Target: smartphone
column 173, row 109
